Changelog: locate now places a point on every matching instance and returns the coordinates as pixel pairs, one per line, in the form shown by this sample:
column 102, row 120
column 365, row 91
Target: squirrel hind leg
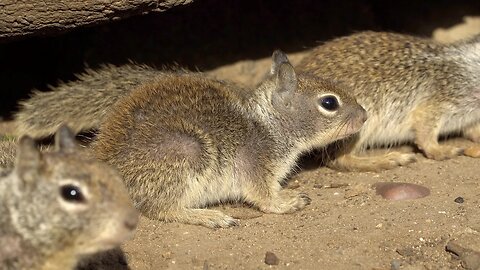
column 352, row 162
column 473, row 133
column 164, row 203
column 426, row 126
column 204, row 217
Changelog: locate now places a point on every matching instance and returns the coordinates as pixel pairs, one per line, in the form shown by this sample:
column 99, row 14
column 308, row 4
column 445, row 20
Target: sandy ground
column 344, row 228
column 347, row 226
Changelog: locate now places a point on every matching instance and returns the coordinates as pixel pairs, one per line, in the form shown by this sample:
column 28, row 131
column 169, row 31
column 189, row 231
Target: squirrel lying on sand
column 183, row 141
column 413, row 89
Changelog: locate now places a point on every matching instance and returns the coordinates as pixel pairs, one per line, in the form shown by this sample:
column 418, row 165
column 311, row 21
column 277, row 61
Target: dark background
column 210, row 33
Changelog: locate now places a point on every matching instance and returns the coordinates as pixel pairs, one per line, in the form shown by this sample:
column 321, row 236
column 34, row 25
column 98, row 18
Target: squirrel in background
column 413, row 89
column 183, row 141
column 58, row 206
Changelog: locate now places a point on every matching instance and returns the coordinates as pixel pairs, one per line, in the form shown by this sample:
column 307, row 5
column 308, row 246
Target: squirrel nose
column 131, row 220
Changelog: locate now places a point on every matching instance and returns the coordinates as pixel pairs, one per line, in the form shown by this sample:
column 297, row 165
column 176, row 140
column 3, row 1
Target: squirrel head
column 61, row 200
column 310, row 110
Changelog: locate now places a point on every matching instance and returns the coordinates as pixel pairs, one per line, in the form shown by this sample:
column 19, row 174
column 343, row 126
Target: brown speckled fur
column 39, row 228
column 87, row 101
column 414, row 90
column 7, row 153
column 183, row 141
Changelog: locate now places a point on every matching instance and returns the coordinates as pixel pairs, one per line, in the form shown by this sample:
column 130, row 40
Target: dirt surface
column 347, row 226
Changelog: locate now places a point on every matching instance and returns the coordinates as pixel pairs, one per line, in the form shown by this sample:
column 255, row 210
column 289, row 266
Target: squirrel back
column 58, row 206
column 413, row 89
column 81, row 104
column 392, row 74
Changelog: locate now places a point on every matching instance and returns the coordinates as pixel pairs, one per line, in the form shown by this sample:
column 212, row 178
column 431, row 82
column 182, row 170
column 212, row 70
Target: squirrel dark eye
column 71, row 193
column 329, row 103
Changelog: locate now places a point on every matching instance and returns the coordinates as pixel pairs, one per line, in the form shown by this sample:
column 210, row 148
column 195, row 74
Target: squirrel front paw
column 443, row 152
column 352, row 162
column 286, row 201
column 473, row 151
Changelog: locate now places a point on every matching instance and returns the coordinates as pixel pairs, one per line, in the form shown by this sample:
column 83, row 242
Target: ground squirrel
column 184, row 141
column 414, row 90
column 100, row 89
column 56, row 207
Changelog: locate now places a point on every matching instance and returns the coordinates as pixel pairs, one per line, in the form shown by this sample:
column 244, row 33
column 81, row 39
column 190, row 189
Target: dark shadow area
column 211, row 33
column 112, row 260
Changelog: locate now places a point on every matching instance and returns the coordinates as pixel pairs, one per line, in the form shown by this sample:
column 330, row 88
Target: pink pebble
column 400, row 191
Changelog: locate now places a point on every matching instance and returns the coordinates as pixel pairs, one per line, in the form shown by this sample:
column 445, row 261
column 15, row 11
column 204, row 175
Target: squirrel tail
column 81, row 104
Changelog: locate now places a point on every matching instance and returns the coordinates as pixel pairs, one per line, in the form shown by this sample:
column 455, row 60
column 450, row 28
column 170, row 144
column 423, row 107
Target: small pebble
column 459, row 200
column 396, row 191
column 293, row 185
column 395, row 264
column 406, row 252
column 337, row 185
column 271, row 258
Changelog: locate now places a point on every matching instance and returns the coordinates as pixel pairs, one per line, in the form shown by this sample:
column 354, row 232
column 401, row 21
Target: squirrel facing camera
column 60, row 206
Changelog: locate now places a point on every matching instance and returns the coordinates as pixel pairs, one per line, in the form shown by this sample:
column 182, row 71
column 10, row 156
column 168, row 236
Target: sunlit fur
column 414, row 90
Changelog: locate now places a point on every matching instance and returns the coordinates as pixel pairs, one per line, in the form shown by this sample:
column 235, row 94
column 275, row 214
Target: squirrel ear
column 278, row 58
column 65, row 140
column 285, row 77
column 28, row 159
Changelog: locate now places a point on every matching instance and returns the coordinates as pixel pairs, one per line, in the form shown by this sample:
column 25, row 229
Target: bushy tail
column 81, row 104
